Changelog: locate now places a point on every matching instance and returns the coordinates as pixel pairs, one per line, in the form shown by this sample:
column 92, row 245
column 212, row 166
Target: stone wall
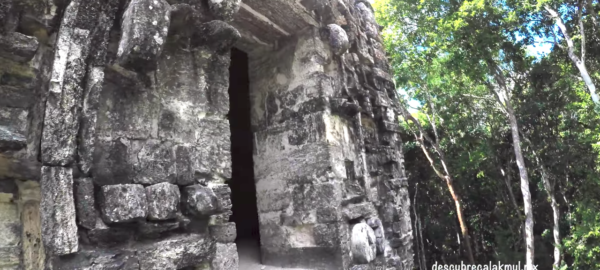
column 119, row 109
column 328, row 161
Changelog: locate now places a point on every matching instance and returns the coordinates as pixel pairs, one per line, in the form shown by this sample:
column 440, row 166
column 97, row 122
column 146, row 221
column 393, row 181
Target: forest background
column 501, row 128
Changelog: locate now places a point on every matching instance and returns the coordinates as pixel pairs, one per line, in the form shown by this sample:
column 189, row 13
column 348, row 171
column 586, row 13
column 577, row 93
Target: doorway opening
column 243, row 190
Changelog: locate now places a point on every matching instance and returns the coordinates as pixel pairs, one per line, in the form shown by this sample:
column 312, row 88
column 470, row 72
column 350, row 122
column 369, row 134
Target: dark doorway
column 243, row 190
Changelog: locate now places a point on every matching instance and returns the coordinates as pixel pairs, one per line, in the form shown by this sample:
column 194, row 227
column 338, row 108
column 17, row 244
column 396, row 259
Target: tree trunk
column 527, row 205
column 420, row 249
column 579, row 62
column 461, row 219
column 445, row 175
column 556, row 232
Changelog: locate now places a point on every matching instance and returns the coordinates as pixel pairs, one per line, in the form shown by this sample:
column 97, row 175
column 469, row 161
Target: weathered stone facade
column 119, row 110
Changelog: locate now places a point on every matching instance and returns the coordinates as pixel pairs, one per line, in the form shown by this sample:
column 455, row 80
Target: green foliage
column 443, row 53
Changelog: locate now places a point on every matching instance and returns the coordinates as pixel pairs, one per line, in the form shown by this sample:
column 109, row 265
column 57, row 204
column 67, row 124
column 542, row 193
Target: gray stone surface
column 85, row 202
column 223, row 233
column 61, row 122
column 363, row 243
column 136, row 112
column 199, row 200
column 361, row 210
column 18, row 47
column 174, row 253
column 123, row 203
column 144, row 27
column 89, row 111
column 59, row 229
column 5, row 14
column 217, row 35
column 163, row 201
column 226, row 257
column 224, row 9
column 107, row 236
column 157, row 229
column 338, row 39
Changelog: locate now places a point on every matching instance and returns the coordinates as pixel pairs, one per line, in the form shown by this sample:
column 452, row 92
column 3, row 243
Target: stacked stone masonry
column 115, row 139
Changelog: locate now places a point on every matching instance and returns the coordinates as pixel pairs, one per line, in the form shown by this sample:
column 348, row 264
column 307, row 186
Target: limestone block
column 209, row 161
column 312, row 196
column 125, row 111
column 123, row 203
column 111, row 163
column 18, row 97
column 174, row 253
column 85, row 203
column 328, row 214
column 326, row 235
column 224, row 9
column 223, row 233
column 226, row 257
column 374, row 222
column 360, row 210
column 199, row 200
column 125, row 161
column 89, row 111
column 61, row 122
column 223, row 194
column 338, row 39
column 220, row 219
column 144, row 28
column 217, row 35
column 59, row 229
column 104, row 235
column 273, row 199
column 362, row 243
column 17, row 47
column 153, row 161
column 163, row 201
column 14, row 120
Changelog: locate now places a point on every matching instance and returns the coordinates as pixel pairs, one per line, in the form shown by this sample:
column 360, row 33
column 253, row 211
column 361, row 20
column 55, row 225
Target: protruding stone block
column 223, row 233
column 224, row 9
column 226, row 257
column 361, row 210
column 338, row 39
column 217, row 35
column 220, row 219
column 59, row 229
column 61, row 121
column 363, row 243
column 163, row 201
column 84, row 203
column 18, row 47
column 123, row 203
column 144, row 27
column 223, row 193
column 199, row 200
column 175, row 253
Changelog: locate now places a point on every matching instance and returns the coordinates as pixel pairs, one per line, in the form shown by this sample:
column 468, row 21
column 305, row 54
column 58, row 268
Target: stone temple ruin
column 157, row 134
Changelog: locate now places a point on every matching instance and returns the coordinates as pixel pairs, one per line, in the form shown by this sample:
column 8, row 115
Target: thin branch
column 581, row 29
